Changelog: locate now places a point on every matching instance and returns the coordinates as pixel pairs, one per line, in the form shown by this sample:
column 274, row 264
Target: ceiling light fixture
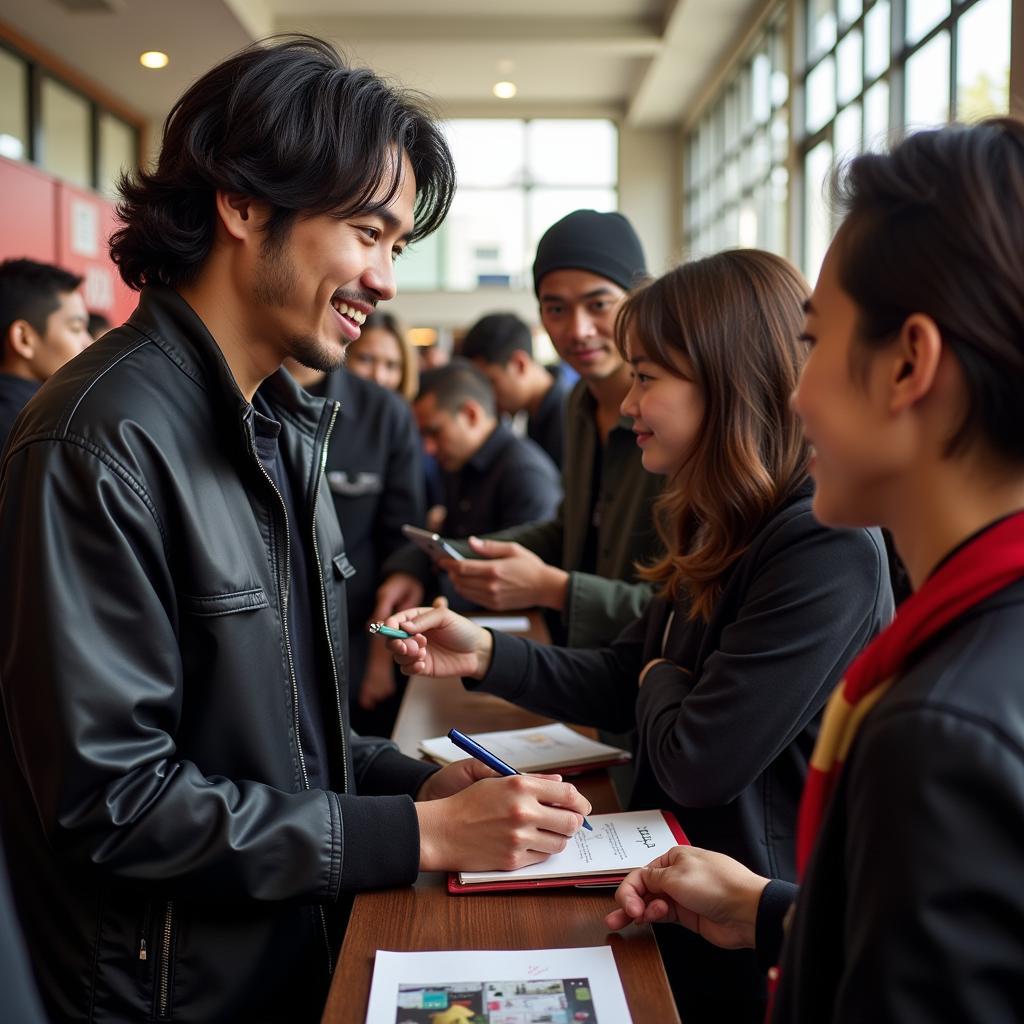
column 504, row 90
column 154, row 59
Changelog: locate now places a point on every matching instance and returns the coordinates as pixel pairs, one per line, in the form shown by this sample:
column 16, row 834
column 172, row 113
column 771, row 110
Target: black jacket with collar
column 912, row 910
column 168, row 858
column 727, row 722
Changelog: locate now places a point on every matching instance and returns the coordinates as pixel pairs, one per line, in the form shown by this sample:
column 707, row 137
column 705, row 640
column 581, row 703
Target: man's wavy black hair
column 289, row 123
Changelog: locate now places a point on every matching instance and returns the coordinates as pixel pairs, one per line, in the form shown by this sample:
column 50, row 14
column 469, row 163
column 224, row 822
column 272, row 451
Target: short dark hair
column 291, row 124
column 99, row 324
column 458, row 382
column 493, row 338
column 31, row 291
column 935, row 227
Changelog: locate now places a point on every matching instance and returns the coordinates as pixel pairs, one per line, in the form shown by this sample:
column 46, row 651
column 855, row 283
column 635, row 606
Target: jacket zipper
column 330, row 646
column 323, row 600
column 164, row 972
column 283, row 589
column 144, row 939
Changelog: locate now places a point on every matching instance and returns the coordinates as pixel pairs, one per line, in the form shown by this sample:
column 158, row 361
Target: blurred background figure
column 98, row 325
column 492, row 480
column 382, row 353
column 437, row 354
column 375, row 474
column 501, row 345
column 43, row 324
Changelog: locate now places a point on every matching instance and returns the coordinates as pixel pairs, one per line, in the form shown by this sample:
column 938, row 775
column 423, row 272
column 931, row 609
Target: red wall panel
column 28, row 213
column 85, row 222
column 45, row 219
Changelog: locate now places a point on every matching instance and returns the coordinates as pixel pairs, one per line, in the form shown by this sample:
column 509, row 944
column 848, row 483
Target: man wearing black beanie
column 581, row 564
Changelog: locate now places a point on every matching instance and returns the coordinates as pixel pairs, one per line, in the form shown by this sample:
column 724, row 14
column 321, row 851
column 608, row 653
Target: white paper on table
column 502, row 623
column 530, row 750
column 507, row 985
column 618, row 843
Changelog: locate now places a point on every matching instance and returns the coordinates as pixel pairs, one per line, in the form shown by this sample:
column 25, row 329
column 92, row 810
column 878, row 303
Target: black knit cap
column 600, row 243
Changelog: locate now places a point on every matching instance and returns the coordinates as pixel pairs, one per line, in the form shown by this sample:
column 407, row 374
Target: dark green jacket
column 598, row 607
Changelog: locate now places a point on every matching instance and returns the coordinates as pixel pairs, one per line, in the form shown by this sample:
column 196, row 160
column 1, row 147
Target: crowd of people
column 200, row 515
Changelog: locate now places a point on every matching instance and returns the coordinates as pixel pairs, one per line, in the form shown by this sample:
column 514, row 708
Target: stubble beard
column 275, row 281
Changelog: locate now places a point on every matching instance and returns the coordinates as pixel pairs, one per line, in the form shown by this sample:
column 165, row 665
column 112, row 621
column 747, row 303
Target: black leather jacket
column 168, row 857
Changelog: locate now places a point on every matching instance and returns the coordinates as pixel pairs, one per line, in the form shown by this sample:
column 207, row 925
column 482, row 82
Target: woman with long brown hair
column 758, row 609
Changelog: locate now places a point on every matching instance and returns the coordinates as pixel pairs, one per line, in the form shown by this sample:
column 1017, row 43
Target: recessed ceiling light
column 154, row 59
column 504, row 90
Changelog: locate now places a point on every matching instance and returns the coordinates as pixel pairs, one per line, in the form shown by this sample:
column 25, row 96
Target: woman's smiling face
column 667, row 409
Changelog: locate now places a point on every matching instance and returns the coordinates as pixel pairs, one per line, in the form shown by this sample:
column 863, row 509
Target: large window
column 49, row 122
column 736, row 176
column 869, row 68
column 515, row 179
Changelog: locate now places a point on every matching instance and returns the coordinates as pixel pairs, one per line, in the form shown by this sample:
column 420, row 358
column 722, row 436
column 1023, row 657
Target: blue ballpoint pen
column 482, row 754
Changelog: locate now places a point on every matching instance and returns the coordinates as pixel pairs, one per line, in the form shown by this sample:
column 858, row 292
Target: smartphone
column 433, row 544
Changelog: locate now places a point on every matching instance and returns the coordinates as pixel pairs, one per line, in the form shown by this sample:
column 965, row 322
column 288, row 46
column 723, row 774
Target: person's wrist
column 430, row 844
column 484, row 653
column 556, row 586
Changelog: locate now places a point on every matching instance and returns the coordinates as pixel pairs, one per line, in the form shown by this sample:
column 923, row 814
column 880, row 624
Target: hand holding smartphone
column 431, row 543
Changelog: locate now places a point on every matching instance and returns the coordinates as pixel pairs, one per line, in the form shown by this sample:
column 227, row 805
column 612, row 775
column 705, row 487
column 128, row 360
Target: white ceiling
column 645, row 61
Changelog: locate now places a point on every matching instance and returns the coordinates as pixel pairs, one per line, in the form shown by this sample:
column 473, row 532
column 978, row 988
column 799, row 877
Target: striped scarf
column 983, row 566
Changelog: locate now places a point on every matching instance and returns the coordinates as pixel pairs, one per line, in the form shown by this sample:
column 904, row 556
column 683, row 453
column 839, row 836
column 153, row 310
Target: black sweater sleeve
column 777, row 898
column 589, row 687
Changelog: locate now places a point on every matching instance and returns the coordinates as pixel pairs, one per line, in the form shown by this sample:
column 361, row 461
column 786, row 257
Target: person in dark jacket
column 376, row 481
column 490, row 478
column 912, row 904
column 185, row 808
column 502, row 346
column 758, row 606
column 43, row 324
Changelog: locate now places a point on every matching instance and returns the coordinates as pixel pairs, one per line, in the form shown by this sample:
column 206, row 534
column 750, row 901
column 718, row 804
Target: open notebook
column 544, row 748
column 618, row 843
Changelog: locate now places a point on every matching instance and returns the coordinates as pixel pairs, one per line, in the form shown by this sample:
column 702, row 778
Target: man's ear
column 519, row 362
column 473, row 412
column 242, row 216
column 913, row 362
column 21, row 340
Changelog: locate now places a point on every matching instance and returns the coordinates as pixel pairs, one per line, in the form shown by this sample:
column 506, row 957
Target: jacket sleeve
column 591, row 687
column 597, row 608
column 93, row 692
column 935, row 905
column 774, row 665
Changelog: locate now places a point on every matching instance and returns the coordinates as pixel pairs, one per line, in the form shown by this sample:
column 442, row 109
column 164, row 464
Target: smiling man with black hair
column 186, row 806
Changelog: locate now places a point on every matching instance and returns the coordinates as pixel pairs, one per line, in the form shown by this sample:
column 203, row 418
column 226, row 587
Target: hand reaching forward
column 707, row 892
column 399, row 590
column 497, row 824
column 443, row 644
column 506, row 576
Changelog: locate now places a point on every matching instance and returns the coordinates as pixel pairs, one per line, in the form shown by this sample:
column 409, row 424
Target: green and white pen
column 379, row 629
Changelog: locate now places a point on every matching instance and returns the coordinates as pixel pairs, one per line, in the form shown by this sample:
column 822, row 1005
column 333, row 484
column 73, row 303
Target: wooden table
column 425, row 917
